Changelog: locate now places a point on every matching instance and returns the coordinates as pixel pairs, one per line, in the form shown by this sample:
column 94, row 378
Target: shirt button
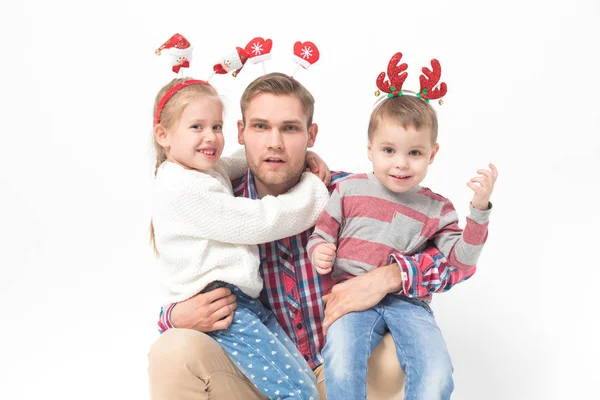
column 299, row 326
column 306, row 357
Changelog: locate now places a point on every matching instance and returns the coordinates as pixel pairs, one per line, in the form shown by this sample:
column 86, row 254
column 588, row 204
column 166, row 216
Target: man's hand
column 360, row 293
column 323, row 256
column 483, row 186
column 317, row 166
column 205, row 312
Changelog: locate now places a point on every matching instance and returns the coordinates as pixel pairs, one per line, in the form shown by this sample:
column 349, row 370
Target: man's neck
column 264, row 189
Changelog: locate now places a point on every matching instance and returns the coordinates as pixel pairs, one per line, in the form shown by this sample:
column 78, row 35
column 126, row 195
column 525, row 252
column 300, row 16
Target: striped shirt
column 371, row 225
column 293, row 289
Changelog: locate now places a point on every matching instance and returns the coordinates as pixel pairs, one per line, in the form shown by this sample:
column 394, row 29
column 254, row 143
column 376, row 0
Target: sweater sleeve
column 462, row 248
column 204, row 208
column 328, row 225
column 235, row 165
column 450, row 259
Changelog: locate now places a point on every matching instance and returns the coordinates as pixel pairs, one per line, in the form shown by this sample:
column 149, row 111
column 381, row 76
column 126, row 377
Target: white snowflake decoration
column 306, row 52
column 257, row 48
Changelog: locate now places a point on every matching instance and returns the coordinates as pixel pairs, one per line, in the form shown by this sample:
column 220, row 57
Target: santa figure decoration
column 233, row 62
column 180, row 51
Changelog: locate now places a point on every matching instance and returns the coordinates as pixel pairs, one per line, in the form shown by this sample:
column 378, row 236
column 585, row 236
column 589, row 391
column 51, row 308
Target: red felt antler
column 430, row 79
column 395, row 73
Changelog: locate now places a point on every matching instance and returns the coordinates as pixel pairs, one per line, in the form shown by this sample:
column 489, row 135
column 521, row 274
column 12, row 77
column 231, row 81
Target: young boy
column 371, row 216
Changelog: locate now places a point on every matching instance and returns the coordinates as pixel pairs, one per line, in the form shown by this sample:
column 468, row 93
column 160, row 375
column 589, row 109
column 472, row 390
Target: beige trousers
column 189, row 365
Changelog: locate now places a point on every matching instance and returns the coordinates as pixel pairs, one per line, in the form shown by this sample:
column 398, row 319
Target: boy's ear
column 313, row 129
column 240, row 126
column 433, row 153
column 370, row 151
column 160, row 133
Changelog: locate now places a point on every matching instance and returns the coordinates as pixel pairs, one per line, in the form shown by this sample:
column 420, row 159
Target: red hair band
column 170, row 94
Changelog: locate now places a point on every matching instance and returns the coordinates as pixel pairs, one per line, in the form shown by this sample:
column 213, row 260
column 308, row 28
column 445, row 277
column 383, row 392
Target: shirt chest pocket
column 404, row 233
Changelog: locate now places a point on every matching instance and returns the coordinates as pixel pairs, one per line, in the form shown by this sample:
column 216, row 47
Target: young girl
column 204, row 235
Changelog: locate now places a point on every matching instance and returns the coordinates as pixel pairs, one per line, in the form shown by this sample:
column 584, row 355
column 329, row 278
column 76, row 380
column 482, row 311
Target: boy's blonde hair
column 408, row 111
column 170, row 115
column 279, row 84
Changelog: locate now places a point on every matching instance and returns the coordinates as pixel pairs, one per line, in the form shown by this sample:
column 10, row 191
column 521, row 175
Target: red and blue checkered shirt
column 293, row 289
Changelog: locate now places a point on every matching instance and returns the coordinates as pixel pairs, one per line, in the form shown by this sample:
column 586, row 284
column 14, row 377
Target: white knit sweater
column 203, row 233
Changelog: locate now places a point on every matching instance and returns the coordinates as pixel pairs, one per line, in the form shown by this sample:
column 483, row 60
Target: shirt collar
column 250, row 186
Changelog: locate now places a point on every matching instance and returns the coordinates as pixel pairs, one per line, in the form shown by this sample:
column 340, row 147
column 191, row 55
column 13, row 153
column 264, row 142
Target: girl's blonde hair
column 169, row 116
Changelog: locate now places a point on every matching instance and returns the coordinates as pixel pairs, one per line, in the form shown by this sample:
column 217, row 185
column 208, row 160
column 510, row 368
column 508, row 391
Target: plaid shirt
column 293, row 289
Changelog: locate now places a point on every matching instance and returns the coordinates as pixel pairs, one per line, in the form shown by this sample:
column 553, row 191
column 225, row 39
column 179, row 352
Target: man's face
column 276, row 138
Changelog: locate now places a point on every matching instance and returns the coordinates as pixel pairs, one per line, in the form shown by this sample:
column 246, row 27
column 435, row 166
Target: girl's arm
column 204, row 208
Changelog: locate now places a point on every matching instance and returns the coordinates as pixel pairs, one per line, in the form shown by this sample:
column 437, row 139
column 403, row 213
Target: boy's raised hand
column 483, row 186
column 323, row 256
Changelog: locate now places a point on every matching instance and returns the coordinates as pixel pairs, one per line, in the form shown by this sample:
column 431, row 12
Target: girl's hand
column 483, row 186
column 317, row 166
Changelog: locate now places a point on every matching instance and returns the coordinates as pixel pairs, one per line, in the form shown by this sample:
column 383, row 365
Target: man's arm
column 205, row 312
column 426, row 273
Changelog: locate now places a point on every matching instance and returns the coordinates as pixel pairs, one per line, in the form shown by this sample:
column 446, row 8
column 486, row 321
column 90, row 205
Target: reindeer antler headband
column 396, row 72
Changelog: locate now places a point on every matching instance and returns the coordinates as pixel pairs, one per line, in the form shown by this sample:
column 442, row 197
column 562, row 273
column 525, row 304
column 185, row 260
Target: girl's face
column 196, row 140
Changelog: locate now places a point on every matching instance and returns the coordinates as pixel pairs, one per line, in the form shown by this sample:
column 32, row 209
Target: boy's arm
column 451, row 258
column 328, row 224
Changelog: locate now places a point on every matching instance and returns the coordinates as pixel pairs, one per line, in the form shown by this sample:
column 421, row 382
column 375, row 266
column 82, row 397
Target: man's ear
column 162, row 138
column 370, row 151
column 433, row 153
column 313, row 129
column 240, row 126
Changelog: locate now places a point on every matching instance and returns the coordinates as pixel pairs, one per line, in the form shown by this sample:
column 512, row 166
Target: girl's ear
column 162, row 138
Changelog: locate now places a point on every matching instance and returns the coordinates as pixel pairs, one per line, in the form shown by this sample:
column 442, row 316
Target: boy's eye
column 218, row 128
column 414, row 153
column 388, row 150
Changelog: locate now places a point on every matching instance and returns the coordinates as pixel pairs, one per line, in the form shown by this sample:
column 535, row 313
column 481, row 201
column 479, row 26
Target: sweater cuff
column 480, row 216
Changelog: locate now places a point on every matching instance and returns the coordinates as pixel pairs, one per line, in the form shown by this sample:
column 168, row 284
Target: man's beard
column 269, row 178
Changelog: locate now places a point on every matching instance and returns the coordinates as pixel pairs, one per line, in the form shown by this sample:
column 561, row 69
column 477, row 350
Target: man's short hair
column 279, row 84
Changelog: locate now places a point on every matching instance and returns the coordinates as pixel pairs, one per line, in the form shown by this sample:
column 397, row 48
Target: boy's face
column 401, row 156
column 276, row 138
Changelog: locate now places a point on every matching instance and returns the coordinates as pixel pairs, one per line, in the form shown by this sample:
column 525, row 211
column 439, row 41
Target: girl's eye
column 196, row 126
column 414, row 153
column 388, row 150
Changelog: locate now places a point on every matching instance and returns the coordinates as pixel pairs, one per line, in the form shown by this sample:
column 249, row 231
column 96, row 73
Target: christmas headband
column 258, row 50
column 397, row 74
column 170, row 94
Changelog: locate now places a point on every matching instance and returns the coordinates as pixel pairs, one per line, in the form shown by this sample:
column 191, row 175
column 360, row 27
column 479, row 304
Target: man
column 184, row 363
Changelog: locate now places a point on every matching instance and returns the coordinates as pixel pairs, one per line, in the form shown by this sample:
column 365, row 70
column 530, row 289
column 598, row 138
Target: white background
column 78, row 81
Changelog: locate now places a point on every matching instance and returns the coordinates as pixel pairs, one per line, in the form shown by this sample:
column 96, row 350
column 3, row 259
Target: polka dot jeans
column 261, row 349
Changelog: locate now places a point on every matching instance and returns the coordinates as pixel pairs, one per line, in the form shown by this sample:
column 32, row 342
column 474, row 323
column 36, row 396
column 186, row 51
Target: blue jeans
column 419, row 344
column 261, row 349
